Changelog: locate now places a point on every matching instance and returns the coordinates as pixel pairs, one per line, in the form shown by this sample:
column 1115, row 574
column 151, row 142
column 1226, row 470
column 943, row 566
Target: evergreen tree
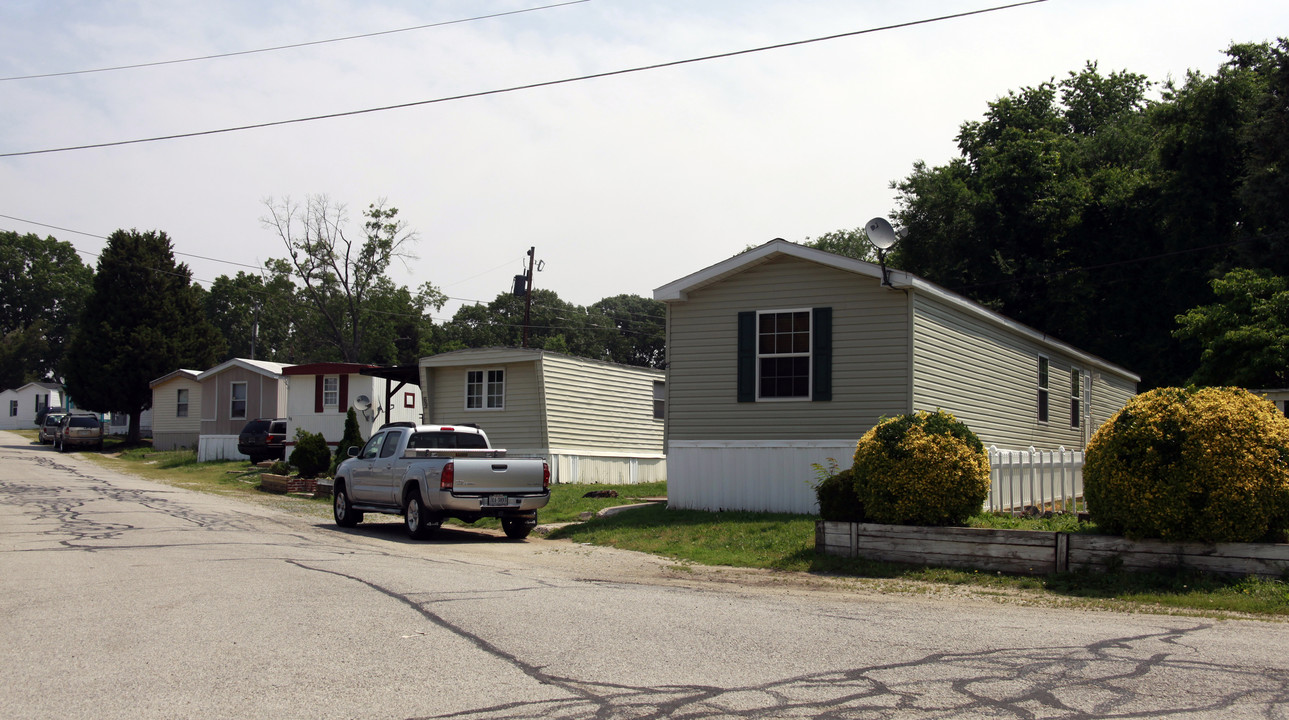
column 143, row 319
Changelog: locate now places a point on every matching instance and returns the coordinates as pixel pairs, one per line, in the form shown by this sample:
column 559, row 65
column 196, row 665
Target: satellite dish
column 362, row 403
column 880, row 233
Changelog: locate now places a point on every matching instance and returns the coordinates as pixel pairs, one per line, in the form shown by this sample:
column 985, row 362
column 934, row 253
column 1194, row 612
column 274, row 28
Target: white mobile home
column 785, row 355
column 19, row 406
column 319, row 396
column 595, row 422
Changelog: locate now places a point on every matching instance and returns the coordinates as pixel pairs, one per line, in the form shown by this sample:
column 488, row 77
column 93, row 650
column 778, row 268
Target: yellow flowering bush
column 921, row 469
column 1209, row 465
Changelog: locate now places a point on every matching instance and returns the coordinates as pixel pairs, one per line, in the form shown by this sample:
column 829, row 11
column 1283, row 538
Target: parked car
column 263, row 439
column 79, row 430
column 48, row 432
column 45, row 412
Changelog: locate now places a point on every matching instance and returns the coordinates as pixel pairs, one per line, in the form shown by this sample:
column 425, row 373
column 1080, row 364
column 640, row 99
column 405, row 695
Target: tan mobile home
column 785, row 355
column 595, row 422
column 176, row 410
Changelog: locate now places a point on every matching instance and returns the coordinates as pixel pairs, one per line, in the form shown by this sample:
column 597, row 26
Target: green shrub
column 921, row 469
column 352, row 438
column 279, row 467
column 310, row 455
column 1209, row 465
column 837, row 499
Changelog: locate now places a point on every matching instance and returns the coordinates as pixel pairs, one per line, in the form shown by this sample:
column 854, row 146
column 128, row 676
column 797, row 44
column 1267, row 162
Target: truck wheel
column 518, row 528
column 345, row 514
column 419, row 525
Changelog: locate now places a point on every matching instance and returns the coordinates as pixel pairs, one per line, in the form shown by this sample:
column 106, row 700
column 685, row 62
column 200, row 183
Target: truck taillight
column 546, row 476
column 446, row 478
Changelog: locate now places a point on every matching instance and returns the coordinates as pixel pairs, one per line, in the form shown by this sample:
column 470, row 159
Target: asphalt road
column 127, row 599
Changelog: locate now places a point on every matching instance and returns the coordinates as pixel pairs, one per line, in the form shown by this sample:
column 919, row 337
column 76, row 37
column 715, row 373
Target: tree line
column 1138, row 229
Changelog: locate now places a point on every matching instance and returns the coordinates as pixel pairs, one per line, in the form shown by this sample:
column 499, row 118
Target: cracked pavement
column 124, row 598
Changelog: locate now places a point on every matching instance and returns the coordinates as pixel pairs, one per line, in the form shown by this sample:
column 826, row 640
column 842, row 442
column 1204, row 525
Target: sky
column 621, row 183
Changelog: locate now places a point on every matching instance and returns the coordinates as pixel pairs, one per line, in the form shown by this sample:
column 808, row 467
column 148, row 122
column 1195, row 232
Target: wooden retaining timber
column 1030, row 552
column 282, row 484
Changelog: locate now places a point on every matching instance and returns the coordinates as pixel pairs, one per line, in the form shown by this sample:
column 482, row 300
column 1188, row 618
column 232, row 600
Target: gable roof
column 42, row 385
column 190, row 374
column 679, row 290
column 263, row 367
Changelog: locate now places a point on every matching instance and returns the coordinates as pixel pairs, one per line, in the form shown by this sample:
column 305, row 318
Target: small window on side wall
column 1043, row 382
column 659, row 400
column 181, row 403
column 1076, row 397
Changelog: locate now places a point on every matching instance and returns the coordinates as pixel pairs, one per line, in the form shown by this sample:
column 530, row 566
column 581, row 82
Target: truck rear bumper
column 489, row 505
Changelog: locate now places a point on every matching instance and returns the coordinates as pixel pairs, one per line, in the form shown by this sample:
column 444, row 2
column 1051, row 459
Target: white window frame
column 331, row 391
column 659, row 399
column 181, row 402
column 486, row 389
column 808, row 355
column 232, row 400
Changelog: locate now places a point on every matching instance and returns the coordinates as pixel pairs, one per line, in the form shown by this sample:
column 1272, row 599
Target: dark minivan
column 263, row 439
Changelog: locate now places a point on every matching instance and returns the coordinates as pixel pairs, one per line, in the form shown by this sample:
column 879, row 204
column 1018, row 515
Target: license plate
column 498, row 501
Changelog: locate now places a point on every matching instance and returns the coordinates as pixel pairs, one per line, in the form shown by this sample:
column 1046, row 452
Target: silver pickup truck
column 430, row 473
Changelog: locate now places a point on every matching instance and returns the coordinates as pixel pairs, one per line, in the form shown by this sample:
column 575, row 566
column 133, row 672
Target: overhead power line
column 287, row 47
column 104, row 237
column 530, row 86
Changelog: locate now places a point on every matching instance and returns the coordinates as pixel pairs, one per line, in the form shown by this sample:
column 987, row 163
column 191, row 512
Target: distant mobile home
column 319, row 396
column 176, row 410
column 785, row 355
column 232, row 393
column 19, row 406
column 595, row 422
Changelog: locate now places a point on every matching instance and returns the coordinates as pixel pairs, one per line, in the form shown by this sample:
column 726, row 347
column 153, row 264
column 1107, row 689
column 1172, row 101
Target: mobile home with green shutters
column 784, row 355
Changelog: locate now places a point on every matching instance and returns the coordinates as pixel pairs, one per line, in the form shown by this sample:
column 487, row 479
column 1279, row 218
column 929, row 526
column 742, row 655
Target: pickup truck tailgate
column 498, row 475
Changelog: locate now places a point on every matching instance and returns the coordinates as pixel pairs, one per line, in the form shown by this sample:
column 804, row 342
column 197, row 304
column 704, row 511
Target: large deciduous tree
column 44, row 285
column 341, row 275
column 256, row 315
column 1244, row 336
column 143, row 319
column 639, row 326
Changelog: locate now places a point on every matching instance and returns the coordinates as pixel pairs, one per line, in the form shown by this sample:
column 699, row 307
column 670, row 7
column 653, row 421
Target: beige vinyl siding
column 988, row 377
column 870, row 355
column 517, row 425
column 1109, row 394
column 165, row 399
column 598, row 406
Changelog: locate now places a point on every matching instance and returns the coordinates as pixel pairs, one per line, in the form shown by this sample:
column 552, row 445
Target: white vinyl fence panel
column 1042, row 479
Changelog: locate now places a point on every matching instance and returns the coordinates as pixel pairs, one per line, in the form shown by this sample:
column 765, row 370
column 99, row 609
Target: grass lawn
column 787, row 542
column 768, row 540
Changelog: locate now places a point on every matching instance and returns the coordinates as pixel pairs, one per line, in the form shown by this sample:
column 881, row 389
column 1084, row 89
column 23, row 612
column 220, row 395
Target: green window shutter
column 821, row 340
column 747, row 357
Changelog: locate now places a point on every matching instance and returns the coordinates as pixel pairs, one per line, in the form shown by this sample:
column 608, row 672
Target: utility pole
column 528, row 293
